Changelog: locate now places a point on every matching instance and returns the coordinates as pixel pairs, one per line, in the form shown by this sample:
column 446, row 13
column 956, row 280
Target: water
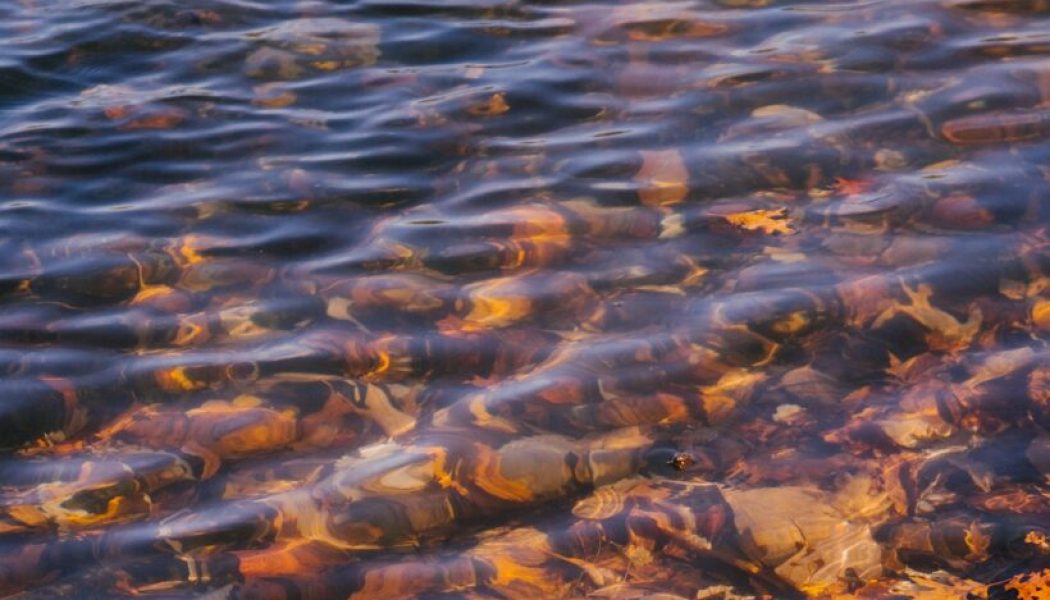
column 707, row 299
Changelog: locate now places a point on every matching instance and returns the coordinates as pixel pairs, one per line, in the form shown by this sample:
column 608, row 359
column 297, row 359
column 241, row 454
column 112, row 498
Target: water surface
column 524, row 299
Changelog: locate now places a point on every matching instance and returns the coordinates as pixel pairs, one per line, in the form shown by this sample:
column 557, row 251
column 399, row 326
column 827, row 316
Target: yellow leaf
column 496, row 303
column 176, row 380
column 767, row 221
column 946, row 331
column 495, row 105
column 1038, row 539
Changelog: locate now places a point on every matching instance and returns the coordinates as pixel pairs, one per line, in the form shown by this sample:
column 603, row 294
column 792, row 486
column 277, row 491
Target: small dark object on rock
column 681, row 461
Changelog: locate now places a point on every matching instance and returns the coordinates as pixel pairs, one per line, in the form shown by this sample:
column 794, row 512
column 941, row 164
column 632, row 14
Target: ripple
column 411, row 299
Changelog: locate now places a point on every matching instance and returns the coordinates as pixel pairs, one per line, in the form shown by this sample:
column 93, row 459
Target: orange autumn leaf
column 162, row 297
column 663, row 177
column 1041, row 314
column 938, row 586
column 496, row 303
column 913, row 586
column 495, row 105
column 767, row 221
column 946, row 331
column 1031, row 586
column 1039, row 540
column 851, row 187
column 176, row 380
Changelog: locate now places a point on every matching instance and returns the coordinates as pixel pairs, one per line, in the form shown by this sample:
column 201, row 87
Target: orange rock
column 663, row 178
column 960, row 211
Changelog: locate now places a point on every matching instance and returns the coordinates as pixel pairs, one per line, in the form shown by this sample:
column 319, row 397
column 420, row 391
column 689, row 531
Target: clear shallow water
column 442, row 300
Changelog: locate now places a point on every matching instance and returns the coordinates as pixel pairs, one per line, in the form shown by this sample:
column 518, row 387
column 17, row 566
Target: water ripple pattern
column 361, row 299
